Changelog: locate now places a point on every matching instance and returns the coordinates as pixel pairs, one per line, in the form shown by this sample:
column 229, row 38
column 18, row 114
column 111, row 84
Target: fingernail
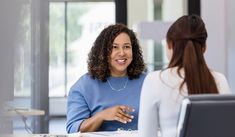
column 125, row 122
column 133, row 110
column 129, row 120
column 132, row 117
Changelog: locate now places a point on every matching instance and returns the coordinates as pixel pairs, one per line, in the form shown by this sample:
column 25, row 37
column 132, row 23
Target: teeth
column 121, row 60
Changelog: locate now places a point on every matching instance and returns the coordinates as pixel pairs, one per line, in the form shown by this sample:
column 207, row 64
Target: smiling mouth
column 121, row 61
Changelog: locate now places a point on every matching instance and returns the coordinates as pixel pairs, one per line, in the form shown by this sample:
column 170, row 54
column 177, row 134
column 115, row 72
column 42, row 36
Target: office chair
column 207, row 115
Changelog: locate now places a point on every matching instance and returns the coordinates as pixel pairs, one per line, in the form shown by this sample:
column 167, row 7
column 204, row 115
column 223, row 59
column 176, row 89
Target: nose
column 121, row 51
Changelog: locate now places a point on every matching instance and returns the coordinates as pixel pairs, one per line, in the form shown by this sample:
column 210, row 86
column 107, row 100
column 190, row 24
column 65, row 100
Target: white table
column 9, row 115
column 24, row 112
column 89, row 134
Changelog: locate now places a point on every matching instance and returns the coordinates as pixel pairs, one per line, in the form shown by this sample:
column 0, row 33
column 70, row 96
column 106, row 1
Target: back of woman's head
column 188, row 36
column 98, row 65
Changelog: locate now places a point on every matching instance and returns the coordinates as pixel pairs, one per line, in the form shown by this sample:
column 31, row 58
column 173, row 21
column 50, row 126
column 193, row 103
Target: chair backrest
column 207, row 115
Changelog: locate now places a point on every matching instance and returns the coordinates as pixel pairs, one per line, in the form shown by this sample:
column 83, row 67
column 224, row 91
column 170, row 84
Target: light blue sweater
column 89, row 96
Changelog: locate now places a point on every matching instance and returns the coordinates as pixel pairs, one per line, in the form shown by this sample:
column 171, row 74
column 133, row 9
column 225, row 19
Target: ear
column 204, row 49
column 169, row 50
column 169, row 44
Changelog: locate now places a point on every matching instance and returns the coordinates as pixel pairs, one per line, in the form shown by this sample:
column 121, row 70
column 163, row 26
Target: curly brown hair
column 98, row 65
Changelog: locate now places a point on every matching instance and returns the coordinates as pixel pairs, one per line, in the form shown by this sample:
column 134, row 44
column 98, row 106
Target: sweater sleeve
column 149, row 105
column 77, row 110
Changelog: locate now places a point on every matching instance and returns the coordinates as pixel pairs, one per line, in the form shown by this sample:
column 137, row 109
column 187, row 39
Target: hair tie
column 185, row 38
column 189, row 38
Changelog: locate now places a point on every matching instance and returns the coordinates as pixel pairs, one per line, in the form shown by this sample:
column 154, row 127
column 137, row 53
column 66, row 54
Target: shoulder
column 151, row 89
column 217, row 75
column 166, row 79
column 83, row 82
column 142, row 76
column 165, row 73
column 221, row 82
column 83, row 79
column 157, row 76
column 153, row 75
column 138, row 79
column 152, row 78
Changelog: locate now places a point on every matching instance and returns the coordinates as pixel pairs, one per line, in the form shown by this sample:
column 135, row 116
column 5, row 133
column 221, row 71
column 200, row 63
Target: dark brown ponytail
column 188, row 35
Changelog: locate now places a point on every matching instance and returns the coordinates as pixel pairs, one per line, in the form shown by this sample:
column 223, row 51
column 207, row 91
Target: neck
column 118, row 74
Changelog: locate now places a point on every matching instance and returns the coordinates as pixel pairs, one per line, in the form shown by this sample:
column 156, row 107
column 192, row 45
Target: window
column 164, row 11
column 22, row 60
column 73, row 27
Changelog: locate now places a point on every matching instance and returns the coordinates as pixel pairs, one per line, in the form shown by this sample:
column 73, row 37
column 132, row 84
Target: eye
column 127, row 46
column 114, row 46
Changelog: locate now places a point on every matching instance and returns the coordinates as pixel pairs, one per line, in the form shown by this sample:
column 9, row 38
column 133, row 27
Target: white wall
column 220, row 20
column 230, row 42
column 215, row 18
column 8, row 28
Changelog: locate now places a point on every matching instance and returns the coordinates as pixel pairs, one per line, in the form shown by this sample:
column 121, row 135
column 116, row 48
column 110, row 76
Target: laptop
column 207, row 115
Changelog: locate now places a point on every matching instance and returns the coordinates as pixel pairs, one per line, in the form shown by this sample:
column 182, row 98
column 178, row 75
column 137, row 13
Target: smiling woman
column 107, row 97
column 121, row 55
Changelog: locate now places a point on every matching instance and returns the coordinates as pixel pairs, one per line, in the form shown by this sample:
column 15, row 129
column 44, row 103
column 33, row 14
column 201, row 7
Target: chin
column 122, row 70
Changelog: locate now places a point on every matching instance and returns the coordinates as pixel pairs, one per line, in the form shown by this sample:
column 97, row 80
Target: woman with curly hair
column 107, row 97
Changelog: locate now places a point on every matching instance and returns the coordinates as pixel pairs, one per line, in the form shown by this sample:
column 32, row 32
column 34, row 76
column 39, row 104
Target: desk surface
column 110, row 134
column 89, row 134
column 24, row 112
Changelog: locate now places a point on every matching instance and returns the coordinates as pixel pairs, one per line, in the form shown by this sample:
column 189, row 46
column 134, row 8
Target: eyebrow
column 123, row 44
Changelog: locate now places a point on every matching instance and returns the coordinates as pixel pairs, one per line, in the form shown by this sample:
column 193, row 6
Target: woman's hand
column 118, row 113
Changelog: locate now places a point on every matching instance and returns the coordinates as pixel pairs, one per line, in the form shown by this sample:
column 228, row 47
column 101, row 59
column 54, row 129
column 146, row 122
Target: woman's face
column 121, row 55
